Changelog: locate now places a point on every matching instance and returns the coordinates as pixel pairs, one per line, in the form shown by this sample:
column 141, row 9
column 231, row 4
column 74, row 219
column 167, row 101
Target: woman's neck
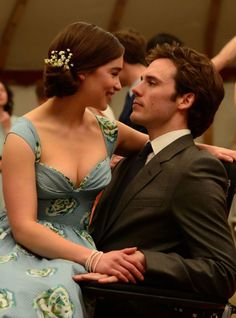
column 68, row 109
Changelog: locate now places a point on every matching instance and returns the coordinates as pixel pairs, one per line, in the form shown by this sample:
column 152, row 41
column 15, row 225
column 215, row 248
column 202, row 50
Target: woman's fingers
column 135, row 271
column 125, row 264
column 100, row 278
column 108, row 279
column 89, row 277
column 132, row 266
column 123, row 275
column 138, row 260
column 125, row 268
column 129, row 250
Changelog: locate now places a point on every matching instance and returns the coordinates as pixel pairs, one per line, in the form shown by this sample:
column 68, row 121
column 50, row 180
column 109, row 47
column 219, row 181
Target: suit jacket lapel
column 146, row 174
column 149, row 171
column 104, row 211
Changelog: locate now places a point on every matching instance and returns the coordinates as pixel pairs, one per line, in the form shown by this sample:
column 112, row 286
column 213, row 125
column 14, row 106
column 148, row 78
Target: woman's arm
column 226, row 55
column 21, row 202
column 129, row 140
column 20, row 194
column 219, row 152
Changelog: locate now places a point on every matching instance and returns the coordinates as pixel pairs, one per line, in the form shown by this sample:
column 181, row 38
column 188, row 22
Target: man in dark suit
column 174, row 208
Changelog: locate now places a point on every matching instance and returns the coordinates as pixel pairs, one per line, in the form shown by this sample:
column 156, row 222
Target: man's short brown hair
column 195, row 74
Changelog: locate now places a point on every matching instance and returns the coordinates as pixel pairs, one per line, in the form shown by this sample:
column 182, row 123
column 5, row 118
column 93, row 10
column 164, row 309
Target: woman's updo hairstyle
column 84, row 47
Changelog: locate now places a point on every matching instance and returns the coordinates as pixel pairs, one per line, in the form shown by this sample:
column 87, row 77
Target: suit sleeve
column 199, row 207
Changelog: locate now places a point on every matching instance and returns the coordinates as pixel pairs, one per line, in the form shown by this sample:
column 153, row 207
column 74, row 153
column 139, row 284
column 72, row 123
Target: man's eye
column 151, row 83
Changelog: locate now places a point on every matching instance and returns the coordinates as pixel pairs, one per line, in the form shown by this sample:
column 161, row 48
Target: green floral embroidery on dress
column 3, row 233
column 6, row 299
column 37, row 151
column 109, row 128
column 8, row 258
column 22, row 250
column 54, row 229
column 44, row 272
column 68, row 179
column 84, row 181
column 58, row 172
column 85, row 236
column 86, row 178
column 54, row 303
column 84, row 222
column 61, row 207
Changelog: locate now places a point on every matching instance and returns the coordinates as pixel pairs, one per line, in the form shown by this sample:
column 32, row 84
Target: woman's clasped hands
column 126, row 265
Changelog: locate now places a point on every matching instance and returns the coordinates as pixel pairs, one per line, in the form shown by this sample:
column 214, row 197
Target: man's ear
column 186, row 100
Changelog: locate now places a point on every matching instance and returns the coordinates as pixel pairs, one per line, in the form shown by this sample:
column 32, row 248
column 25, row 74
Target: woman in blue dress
column 56, row 160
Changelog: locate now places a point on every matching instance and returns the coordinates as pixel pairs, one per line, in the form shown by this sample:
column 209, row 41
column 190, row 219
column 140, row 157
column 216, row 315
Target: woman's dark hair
column 196, row 74
column 9, row 105
column 91, row 47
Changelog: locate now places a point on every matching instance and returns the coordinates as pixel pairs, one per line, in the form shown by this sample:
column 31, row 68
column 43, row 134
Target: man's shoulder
column 185, row 151
column 202, row 160
column 195, row 153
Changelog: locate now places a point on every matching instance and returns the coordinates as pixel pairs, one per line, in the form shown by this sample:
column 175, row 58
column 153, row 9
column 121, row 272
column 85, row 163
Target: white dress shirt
column 163, row 141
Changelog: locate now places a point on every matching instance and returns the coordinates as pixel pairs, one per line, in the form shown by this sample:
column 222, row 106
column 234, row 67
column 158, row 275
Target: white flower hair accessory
column 60, row 59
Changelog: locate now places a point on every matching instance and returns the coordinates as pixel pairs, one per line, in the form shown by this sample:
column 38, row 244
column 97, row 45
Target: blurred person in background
column 6, row 122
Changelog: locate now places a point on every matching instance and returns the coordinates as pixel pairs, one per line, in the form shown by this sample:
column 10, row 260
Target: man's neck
column 156, row 133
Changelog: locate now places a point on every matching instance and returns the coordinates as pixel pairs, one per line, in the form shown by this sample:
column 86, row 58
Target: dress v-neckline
column 58, row 172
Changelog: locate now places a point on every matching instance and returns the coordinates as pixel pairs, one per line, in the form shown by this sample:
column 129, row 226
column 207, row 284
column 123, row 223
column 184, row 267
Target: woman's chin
column 104, row 107
column 134, row 118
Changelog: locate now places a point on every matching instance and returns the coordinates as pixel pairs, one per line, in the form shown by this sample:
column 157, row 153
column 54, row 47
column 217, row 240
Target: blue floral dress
column 32, row 286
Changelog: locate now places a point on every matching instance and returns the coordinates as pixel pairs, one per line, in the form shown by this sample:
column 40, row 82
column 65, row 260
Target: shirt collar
column 163, row 141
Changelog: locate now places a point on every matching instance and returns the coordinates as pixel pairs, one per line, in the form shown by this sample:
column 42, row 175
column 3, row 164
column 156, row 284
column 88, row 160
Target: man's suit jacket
column 174, row 210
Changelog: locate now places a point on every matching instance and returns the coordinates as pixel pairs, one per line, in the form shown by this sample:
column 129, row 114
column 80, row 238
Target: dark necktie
column 138, row 163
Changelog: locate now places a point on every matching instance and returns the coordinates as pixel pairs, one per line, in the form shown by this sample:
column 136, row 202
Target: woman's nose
column 118, row 85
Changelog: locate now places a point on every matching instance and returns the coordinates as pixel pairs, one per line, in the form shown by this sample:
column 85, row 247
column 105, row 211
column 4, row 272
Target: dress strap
column 110, row 132
column 26, row 130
